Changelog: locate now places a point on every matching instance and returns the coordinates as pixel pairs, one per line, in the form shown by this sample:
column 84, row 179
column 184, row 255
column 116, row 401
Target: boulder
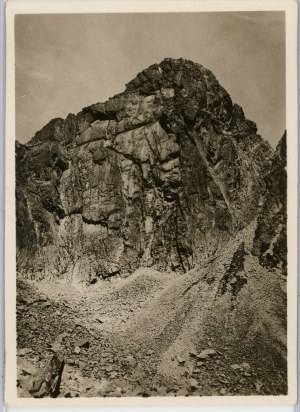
column 206, row 353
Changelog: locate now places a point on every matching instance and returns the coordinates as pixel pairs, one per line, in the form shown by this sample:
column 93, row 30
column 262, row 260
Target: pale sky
column 66, row 62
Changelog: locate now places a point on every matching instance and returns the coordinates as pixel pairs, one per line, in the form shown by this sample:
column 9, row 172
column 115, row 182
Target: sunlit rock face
column 161, row 175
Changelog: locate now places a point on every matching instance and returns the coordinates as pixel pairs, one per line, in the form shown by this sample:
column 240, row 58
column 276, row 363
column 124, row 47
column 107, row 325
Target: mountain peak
column 170, row 72
column 158, row 170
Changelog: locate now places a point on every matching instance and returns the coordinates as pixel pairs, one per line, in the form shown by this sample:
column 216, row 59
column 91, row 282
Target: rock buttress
column 270, row 242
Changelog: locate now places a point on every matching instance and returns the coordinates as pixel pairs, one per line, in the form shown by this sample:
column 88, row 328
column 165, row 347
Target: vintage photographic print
column 150, row 218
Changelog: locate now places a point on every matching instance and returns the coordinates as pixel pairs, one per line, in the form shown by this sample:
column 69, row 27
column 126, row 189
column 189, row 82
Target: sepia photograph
column 150, row 218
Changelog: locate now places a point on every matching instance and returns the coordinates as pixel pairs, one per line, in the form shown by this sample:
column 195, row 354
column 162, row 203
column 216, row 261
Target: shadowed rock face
column 161, row 175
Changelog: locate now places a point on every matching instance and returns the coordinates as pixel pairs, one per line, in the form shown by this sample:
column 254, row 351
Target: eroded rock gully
column 160, row 175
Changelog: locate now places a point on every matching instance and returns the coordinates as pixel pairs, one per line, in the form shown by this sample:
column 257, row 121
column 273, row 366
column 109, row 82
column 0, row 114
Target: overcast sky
column 66, row 62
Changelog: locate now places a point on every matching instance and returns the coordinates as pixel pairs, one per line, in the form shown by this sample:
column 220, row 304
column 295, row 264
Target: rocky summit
column 144, row 225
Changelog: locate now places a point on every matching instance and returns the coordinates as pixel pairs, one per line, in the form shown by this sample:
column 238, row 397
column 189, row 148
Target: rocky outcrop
column 270, row 242
column 161, row 175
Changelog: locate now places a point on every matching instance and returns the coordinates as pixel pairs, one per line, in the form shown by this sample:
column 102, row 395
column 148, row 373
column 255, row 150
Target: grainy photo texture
column 151, row 204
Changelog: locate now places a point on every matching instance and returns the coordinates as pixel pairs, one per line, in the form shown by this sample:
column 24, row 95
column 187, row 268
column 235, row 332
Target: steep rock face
column 270, row 242
column 161, row 175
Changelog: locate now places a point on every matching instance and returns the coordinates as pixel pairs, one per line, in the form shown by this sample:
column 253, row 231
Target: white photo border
column 160, row 6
